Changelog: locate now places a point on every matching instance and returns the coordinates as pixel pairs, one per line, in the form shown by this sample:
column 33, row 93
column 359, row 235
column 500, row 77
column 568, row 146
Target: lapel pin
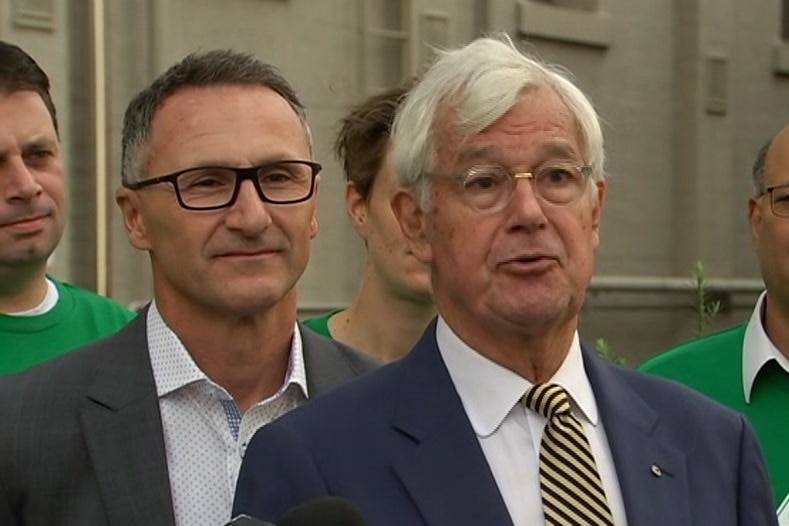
column 655, row 469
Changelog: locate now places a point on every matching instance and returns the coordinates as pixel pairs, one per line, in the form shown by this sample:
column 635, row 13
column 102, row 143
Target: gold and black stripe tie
column 572, row 492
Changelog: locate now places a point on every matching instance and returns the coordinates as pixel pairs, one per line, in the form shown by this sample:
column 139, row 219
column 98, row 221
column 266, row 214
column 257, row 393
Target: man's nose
column 249, row 212
column 525, row 203
column 17, row 181
column 525, row 190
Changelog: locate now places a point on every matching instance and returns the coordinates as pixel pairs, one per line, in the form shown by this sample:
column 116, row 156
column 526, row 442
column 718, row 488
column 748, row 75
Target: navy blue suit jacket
column 398, row 443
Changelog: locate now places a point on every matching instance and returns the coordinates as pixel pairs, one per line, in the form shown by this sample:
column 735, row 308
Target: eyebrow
column 476, row 153
column 40, row 143
column 558, row 149
column 214, row 162
column 550, row 149
column 35, row 144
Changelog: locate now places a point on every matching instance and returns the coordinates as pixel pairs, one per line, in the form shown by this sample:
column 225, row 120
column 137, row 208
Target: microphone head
column 324, row 511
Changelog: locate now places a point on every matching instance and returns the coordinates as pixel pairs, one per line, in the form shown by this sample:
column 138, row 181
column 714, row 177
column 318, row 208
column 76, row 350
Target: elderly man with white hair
column 500, row 415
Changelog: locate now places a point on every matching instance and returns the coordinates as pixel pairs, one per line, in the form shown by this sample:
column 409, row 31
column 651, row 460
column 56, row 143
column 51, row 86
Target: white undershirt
column 510, row 434
column 46, row 305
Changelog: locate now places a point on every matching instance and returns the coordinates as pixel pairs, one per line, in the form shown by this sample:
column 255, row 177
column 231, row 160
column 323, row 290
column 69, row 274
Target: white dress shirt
column 205, row 436
column 510, row 433
column 757, row 349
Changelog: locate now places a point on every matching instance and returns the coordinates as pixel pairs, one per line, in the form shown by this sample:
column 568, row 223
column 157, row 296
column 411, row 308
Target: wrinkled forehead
column 241, row 124
column 549, row 131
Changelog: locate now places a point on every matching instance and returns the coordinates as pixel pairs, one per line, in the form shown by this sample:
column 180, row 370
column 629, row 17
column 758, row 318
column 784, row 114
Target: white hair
column 482, row 81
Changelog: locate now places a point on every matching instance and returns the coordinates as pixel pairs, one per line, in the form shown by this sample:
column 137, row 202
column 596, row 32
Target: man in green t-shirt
column 40, row 317
column 746, row 367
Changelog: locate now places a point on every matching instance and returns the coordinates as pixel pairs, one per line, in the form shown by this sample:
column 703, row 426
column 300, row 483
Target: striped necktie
column 572, row 492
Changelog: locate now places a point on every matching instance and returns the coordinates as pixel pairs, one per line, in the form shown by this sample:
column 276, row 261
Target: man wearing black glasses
column 150, row 425
column 746, row 367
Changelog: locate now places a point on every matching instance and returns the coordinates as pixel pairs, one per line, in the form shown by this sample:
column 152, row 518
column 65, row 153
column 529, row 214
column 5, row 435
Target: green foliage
column 604, row 349
column 706, row 308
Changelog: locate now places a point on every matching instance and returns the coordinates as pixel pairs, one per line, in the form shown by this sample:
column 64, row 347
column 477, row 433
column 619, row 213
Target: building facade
column 688, row 90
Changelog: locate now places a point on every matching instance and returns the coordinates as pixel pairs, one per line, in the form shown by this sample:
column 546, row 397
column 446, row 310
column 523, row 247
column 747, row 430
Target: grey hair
column 204, row 69
column 759, row 165
column 482, row 81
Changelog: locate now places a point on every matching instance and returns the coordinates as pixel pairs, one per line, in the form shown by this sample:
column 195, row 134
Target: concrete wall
column 688, row 90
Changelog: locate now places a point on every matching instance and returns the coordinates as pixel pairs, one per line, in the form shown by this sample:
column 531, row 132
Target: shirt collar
column 758, row 349
column 489, row 391
column 47, row 304
column 174, row 368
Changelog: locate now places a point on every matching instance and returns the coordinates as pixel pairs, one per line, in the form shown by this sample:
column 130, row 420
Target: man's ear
column 314, row 224
column 314, row 218
column 755, row 218
column 129, row 203
column 356, row 206
column 412, row 222
column 597, row 209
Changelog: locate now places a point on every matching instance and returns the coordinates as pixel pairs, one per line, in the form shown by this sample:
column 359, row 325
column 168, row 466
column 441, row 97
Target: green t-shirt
column 79, row 317
column 320, row 324
column 713, row 365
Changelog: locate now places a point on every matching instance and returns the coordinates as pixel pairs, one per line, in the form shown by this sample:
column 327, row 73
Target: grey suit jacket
column 81, row 436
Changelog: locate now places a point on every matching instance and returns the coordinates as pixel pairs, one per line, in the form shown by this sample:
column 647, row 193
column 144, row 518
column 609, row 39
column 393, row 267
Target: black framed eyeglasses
column 488, row 188
column 213, row 187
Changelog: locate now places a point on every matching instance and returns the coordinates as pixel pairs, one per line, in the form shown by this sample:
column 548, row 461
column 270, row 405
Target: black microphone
column 323, row 511
column 246, row 520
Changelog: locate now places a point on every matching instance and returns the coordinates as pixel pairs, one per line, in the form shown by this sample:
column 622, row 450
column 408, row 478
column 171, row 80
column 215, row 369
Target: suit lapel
column 441, row 463
column 123, row 431
column 445, row 472
column 645, row 465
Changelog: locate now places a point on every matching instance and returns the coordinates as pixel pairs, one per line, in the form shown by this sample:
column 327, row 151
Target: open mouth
column 528, row 258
